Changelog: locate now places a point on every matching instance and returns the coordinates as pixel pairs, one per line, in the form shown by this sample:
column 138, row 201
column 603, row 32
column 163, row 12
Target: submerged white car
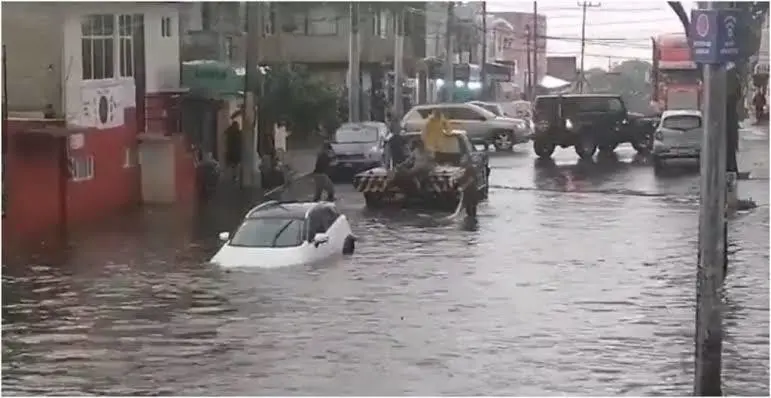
column 275, row 234
column 678, row 136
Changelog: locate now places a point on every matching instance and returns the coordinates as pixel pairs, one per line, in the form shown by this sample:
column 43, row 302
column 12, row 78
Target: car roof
column 681, row 112
column 578, row 96
column 275, row 209
column 441, row 105
column 362, row 124
column 411, row 134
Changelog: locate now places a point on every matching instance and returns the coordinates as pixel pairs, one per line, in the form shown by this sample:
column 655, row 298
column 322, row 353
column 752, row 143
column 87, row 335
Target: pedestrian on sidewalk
column 280, row 134
column 760, row 106
column 233, row 150
column 321, row 180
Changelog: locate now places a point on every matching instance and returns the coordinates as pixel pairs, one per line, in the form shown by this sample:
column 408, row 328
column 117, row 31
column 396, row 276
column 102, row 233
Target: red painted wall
column 113, row 187
column 32, row 182
column 33, row 179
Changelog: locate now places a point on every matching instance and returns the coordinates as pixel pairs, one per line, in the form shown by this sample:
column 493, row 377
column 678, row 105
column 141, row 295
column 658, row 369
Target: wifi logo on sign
column 730, row 26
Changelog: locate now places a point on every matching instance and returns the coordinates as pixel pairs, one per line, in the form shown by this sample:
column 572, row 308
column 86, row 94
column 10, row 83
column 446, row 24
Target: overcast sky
column 615, row 30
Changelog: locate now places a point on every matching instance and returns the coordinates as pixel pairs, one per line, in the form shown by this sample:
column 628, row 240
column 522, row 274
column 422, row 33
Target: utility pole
column 584, row 6
column 398, row 106
column 485, row 88
column 449, row 76
column 709, row 317
column 528, row 78
column 534, row 80
column 354, row 54
column 248, row 122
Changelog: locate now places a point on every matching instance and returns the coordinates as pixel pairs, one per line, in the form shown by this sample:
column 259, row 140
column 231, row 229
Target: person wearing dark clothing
column 468, row 186
column 760, row 104
column 233, row 149
column 396, row 149
column 324, row 162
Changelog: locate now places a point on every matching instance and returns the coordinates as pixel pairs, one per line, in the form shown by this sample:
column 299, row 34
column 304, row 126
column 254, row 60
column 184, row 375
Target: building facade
column 522, row 23
column 81, row 79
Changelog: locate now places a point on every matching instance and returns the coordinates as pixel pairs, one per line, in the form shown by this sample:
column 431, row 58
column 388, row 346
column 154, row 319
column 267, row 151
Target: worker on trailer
column 411, row 174
column 436, row 134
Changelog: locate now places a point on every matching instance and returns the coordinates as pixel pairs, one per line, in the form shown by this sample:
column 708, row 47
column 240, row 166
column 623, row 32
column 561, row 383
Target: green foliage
column 290, row 93
column 629, row 79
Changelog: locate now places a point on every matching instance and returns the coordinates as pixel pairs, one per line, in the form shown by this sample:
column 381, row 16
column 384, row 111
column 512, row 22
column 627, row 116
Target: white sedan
column 678, row 136
column 277, row 234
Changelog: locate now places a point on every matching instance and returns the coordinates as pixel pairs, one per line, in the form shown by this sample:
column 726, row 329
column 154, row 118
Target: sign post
column 712, row 34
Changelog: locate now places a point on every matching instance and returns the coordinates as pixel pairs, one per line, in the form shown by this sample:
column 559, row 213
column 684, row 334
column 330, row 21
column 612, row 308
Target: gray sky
column 629, row 25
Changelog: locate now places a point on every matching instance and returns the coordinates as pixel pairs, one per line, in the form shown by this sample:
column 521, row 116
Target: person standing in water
column 233, row 149
column 324, row 162
column 468, row 186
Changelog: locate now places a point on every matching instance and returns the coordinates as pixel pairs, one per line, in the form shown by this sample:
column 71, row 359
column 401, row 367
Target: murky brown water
column 578, row 280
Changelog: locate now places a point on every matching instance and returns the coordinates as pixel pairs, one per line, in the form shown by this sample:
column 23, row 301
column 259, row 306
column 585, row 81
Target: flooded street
column 580, row 279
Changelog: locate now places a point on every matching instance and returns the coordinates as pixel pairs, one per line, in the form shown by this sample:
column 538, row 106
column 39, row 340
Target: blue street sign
column 713, row 34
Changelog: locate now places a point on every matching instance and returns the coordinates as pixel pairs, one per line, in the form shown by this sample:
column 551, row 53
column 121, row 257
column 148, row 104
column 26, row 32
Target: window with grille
column 97, row 41
column 380, row 23
column 166, row 27
column 126, row 45
column 81, row 168
column 322, row 21
column 130, row 158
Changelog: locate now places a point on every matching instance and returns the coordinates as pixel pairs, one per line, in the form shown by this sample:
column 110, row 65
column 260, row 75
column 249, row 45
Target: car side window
column 465, row 114
column 315, row 224
column 328, row 217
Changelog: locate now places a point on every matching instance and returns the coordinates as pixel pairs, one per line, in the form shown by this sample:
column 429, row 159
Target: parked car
column 678, row 136
column 275, row 234
column 587, row 122
column 481, row 126
column 359, row 146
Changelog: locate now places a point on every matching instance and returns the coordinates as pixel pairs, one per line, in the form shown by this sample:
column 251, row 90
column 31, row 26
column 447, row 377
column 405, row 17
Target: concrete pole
column 398, row 105
column 584, row 6
column 709, row 327
column 248, row 117
column 534, row 80
column 485, row 88
column 449, row 75
column 354, row 54
column 529, row 76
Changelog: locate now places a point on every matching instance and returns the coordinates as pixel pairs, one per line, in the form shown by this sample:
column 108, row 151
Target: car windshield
column 269, row 232
column 592, row 104
column 682, row 122
column 352, row 134
column 495, row 109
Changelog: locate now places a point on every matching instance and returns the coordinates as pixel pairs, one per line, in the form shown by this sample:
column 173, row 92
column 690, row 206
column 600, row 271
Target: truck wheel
column 658, row 164
column 643, row 146
column 608, row 147
column 349, row 245
column 585, row 147
column 373, row 200
column 543, row 149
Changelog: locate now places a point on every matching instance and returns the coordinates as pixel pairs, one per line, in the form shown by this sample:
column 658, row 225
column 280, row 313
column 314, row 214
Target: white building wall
column 161, row 56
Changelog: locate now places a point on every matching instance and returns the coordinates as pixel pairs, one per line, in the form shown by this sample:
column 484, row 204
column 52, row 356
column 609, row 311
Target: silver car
column 481, row 126
column 678, row 136
column 359, row 146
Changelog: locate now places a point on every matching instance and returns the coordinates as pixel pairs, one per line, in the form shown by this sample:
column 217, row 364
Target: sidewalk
column 753, row 156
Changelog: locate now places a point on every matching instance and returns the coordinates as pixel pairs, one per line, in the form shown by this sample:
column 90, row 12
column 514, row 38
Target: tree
column 629, row 79
column 749, row 35
column 291, row 94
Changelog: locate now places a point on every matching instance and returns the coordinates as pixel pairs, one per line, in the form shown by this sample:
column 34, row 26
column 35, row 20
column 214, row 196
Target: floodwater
column 578, row 279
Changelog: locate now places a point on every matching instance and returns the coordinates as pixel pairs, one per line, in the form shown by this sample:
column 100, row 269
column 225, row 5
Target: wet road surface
column 578, row 279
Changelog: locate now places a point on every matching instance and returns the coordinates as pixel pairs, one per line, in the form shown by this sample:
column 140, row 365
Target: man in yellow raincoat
column 438, row 138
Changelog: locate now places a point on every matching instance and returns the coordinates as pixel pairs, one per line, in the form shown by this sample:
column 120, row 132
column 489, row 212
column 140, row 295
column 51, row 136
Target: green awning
column 212, row 79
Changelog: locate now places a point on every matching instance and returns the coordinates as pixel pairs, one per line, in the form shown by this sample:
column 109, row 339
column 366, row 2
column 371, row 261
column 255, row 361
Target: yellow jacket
column 435, row 133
